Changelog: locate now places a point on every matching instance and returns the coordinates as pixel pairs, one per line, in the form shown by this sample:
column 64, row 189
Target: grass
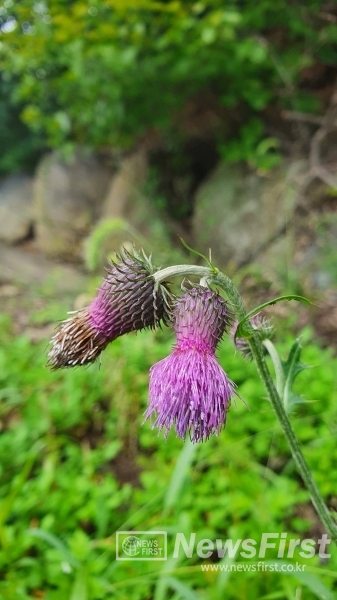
column 77, row 464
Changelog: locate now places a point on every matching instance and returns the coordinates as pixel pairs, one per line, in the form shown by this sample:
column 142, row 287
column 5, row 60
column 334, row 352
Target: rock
column 128, row 216
column 240, row 214
column 8, row 290
column 123, row 193
column 16, row 208
column 20, row 266
column 315, row 245
column 68, row 200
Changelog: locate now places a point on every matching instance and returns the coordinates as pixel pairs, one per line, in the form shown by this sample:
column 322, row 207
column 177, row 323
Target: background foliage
column 77, row 465
column 107, row 73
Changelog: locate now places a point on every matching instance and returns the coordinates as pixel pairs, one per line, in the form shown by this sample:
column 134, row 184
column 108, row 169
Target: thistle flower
column 128, row 300
column 260, row 325
column 189, row 388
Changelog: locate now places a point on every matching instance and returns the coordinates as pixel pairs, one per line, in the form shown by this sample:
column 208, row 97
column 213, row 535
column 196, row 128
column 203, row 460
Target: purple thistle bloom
column 128, row 300
column 189, row 388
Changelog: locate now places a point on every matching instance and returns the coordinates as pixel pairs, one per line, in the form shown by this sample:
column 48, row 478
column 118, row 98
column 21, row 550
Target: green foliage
column 93, row 247
column 77, row 465
column 252, row 147
column 19, row 148
column 106, row 71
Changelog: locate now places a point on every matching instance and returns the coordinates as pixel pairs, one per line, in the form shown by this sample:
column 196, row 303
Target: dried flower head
column 189, row 388
column 260, row 325
column 128, row 300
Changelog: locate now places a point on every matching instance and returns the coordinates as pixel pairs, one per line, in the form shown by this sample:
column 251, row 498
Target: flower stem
column 300, row 462
column 317, row 500
column 181, row 271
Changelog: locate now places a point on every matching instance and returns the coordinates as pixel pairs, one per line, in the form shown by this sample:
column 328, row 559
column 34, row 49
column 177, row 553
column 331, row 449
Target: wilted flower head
column 260, row 325
column 128, row 300
column 189, row 388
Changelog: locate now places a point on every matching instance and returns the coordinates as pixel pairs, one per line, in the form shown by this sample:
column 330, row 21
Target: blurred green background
column 192, row 85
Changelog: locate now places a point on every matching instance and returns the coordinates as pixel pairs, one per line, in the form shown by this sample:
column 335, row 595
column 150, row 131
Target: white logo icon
column 131, row 545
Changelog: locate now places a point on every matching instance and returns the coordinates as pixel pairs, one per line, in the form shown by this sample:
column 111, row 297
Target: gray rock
column 16, row 208
column 240, row 214
column 315, row 249
column 128, row 216
column 68, row 200
column 123, row 193
column 29, row 268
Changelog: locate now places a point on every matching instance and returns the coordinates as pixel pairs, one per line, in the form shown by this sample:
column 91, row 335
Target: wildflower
column 260, row 325
column 189, row 388
column 128, row 300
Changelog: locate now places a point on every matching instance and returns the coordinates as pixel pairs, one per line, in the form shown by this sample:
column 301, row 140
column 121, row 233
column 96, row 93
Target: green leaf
column 277, row 365
column 80, row 588
column 286, row 373
column 315, row 585
column 212, row 267
column 224, row 575
column 291, row 368
column 242, row 332
column 179, row 474
column 163, row 583
column 56, row 543
column 273, row 596
column 183, row 590
column 7, row 503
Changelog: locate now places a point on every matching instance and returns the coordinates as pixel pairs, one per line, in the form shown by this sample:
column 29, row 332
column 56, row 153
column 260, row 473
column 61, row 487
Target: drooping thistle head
column 128, row 300
column 189, row 389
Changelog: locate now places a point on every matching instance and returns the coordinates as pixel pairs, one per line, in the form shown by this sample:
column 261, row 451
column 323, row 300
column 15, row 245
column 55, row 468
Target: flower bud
column 128, row 300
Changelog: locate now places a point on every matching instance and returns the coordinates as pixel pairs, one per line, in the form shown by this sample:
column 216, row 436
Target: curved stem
column 231, row 292
column 181, row 271
column 317, row 500
column 215, row 278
